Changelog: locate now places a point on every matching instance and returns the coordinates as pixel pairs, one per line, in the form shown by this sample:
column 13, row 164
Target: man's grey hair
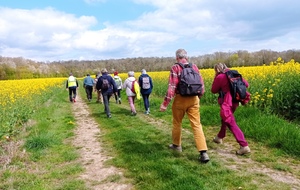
column 104, row 70
column 144, row 71
column 131, row 73
column 181, row 53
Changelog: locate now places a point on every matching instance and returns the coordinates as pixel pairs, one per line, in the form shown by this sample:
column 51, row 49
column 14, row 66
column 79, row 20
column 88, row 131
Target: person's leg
column 116, row 97
column 119, row 95
column 87, row 92
column 144, row 100
column 100, row 97
column 237, row 132
column 194, row 117
column 90, row 92
column 106, row 104
column 222, row 132
column 74, row 92
column 178, row 113
column 70, row 95
column 227, row 115
column 131, row 103
column 147, row 103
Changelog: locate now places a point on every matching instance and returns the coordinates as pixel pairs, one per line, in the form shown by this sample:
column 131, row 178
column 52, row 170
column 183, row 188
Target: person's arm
column 67, row 84
column 216, row 85
column 115, row 88
column 140, row 80
column 151, row 83
column 173, row 82
column 98, row 84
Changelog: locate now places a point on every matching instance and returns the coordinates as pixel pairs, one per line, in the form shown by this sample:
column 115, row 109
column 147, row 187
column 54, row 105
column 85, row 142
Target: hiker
column 184, row 104
column 118, row 82
column 221, row 85
column 145, row 82
column 130, row 94
column 99, row 94
column 71, row 86
column 107, row 86
column 88, row 84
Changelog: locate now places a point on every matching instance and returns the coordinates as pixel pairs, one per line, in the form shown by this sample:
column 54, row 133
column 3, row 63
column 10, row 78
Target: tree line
column 22, row 68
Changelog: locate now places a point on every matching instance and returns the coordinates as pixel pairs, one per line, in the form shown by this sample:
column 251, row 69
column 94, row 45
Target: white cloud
column 201, row 25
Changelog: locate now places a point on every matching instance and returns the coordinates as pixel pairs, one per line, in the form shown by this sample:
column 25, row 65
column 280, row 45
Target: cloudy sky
column 49, row 30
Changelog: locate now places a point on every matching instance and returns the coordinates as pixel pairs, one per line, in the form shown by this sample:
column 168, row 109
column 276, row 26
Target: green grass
column 138, row 146
column 49, row 162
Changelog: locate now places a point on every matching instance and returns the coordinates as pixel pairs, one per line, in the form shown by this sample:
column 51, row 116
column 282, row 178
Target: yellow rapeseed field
column 14, row 90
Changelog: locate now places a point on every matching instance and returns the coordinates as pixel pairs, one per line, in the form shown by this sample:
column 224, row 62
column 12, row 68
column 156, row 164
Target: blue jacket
column 145, row 91
column 113, row 88
column 88, row 81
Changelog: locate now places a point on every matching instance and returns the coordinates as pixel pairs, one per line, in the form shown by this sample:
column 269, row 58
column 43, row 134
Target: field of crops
column 19, row 98
column 274, row 88
column 37, row 124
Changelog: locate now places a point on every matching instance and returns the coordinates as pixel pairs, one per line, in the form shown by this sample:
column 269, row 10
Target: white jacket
column 128, row 86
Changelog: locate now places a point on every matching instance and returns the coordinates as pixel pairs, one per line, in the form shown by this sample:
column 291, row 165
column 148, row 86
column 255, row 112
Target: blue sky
column 51, row 30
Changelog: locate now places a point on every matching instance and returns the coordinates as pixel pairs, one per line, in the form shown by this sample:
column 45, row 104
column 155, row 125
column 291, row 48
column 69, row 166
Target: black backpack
column 238, row 88
column 190, row 81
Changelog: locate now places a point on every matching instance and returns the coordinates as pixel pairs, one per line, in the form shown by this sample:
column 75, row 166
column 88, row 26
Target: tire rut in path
column 92, row 156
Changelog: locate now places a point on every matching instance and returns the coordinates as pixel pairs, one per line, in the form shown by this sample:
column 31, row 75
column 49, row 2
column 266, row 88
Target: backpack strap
column 185, row 65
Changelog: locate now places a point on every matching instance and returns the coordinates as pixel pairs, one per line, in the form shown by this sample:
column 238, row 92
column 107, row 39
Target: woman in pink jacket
column 221, row 85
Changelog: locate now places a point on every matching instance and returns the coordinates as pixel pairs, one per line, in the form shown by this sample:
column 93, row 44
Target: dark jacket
column 145, row 91
column 113, row 88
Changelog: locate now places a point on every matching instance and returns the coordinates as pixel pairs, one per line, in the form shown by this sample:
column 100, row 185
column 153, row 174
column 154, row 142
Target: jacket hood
column 131, row 79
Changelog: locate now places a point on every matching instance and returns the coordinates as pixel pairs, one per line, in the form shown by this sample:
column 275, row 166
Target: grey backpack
column 190, row 82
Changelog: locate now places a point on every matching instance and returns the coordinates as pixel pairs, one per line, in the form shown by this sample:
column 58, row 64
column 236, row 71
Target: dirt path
column 226, row 153
column 98, row 176
column 87, row 134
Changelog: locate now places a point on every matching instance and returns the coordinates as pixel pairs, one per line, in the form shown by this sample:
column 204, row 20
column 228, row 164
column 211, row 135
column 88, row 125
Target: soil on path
column 97, row 175
column 226, row 153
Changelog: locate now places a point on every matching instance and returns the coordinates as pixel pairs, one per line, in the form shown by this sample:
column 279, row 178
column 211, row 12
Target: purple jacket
column 221, row 84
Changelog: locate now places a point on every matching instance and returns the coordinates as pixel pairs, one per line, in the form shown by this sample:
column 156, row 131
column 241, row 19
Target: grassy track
column 42, row 156
column 139, row 144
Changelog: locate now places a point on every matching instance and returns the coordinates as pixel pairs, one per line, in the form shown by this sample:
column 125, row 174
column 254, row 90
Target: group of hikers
column 106, row 85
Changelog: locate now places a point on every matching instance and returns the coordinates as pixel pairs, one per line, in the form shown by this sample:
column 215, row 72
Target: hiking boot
column 120, row 101
column 243, row 150
column 218, row 140
column 203, row 157
column 74, row 100
column 176, row 148
column 133, row 113
column 146, row 112
column 109, row 116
